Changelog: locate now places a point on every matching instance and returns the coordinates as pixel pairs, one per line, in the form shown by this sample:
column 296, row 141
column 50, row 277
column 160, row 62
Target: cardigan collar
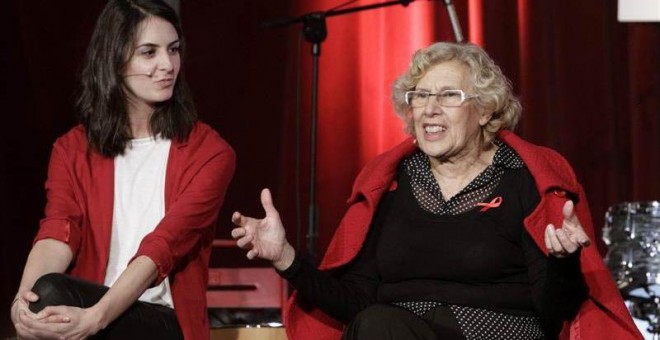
column 379, row 173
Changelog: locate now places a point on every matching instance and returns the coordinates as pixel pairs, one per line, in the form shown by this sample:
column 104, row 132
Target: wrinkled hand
column 263, row 238
column 59, row 322
column 569, row 238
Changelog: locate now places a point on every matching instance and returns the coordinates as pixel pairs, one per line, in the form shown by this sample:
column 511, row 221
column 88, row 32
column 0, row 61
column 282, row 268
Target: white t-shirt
column 139, row 205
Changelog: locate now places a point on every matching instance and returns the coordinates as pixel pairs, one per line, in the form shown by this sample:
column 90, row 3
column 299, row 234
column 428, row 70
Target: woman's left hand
column 569, row 238
column 80, row 322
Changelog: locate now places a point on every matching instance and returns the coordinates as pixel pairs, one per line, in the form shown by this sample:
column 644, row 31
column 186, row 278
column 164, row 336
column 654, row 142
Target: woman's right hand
column 47, row 326
column 21, row 302
column 264, row 238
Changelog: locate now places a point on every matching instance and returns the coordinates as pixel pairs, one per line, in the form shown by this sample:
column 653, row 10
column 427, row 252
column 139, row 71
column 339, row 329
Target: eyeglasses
column 446, row 98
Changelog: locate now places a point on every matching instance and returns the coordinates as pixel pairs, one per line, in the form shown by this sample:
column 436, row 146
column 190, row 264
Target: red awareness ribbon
column 492, row 204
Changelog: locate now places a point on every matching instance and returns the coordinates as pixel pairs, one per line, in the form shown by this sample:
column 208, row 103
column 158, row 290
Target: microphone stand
column 331, row 13
column 315, row 32
column 455, row 25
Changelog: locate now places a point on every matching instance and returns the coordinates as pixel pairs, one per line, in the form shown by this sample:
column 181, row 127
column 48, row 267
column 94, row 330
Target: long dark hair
column 102, row 101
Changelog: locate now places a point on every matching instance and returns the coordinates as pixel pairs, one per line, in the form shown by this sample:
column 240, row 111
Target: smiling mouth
column 428, row 128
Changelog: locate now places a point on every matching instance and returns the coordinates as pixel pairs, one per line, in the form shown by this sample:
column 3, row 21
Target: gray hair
column 493, row 88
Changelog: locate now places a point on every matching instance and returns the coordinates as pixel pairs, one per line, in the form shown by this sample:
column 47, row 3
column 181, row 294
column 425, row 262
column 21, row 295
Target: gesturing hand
column 263, row 238
column 566, row 240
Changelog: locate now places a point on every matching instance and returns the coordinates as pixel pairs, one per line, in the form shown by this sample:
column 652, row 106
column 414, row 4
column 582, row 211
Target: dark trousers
column 140, row 321
column 391, row 322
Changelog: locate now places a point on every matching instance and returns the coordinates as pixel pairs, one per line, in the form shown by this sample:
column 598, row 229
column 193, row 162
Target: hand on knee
column 51, row 290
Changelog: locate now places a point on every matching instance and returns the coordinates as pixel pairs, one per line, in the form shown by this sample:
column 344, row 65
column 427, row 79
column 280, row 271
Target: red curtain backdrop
column 590, row 87
column 362, row 55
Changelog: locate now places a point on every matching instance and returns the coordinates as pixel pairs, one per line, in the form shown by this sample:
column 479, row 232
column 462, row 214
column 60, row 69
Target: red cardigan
column 602, row 316
column 80, row 189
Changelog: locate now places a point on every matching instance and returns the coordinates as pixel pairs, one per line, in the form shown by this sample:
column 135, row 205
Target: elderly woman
column 464, row 231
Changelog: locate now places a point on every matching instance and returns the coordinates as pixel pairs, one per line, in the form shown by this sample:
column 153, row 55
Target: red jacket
column 80, row 189
column 602, row 316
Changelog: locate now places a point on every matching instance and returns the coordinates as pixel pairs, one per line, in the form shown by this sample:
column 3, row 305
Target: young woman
column 133, row 194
